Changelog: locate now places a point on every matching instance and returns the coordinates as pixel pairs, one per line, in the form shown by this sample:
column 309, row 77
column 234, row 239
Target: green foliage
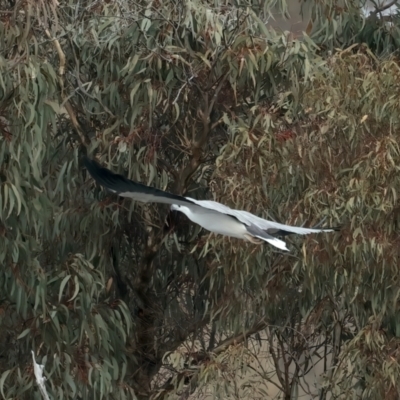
column 199, row 98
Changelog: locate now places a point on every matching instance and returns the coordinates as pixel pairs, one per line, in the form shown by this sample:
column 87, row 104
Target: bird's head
column 175, row 207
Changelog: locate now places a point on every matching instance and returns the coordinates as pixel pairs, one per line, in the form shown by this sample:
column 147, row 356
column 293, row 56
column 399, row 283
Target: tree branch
column 67, row 105
column 200, row 140
column 239, row 338
column 380, row 8
column 276, row 362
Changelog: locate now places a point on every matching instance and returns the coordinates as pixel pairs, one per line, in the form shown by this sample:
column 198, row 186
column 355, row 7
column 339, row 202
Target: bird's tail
column 254, row 232
column 255, row 238
column 280, row 244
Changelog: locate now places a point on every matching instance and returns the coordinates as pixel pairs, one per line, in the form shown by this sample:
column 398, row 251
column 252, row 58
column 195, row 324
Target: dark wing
column 126, row 188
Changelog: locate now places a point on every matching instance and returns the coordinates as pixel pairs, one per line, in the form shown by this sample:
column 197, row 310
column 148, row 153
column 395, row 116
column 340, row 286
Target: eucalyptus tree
column 123, row 300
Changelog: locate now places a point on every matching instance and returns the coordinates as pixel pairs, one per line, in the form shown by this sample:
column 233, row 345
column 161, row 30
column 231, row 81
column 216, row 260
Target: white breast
column 215, row 221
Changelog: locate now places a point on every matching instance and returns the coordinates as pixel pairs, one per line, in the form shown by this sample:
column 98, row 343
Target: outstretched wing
column 270, row 227
column 126, row 188
column 275, row 228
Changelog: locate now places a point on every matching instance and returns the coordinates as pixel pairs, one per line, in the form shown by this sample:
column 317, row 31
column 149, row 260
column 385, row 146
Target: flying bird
column 213, row 216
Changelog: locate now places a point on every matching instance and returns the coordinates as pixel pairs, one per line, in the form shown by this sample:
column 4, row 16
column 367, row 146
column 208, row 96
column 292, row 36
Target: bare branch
column 61, row 55
column 181, row 88
column 379, row 8
column 276, row 361
column 239, row 338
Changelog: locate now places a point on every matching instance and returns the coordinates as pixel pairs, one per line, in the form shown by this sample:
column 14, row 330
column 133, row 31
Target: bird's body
column 213, row 216
column 213, row 221
column 221, row 219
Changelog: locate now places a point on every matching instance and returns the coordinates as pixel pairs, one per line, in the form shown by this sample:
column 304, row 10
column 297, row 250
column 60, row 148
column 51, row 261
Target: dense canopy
column 125, row 300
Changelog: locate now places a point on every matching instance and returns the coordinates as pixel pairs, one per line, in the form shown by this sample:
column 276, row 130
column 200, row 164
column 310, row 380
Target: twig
column 167, row 167
column 276, row 362
column 379, row 9
column 240, row 338
column 180, row 90
column 80, row 84
column 61, row 72
column 199, row 141
column 61, row 55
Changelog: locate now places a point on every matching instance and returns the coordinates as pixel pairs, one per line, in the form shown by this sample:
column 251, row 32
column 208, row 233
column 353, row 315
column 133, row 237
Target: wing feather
column 126, row 188
column 277, row 228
